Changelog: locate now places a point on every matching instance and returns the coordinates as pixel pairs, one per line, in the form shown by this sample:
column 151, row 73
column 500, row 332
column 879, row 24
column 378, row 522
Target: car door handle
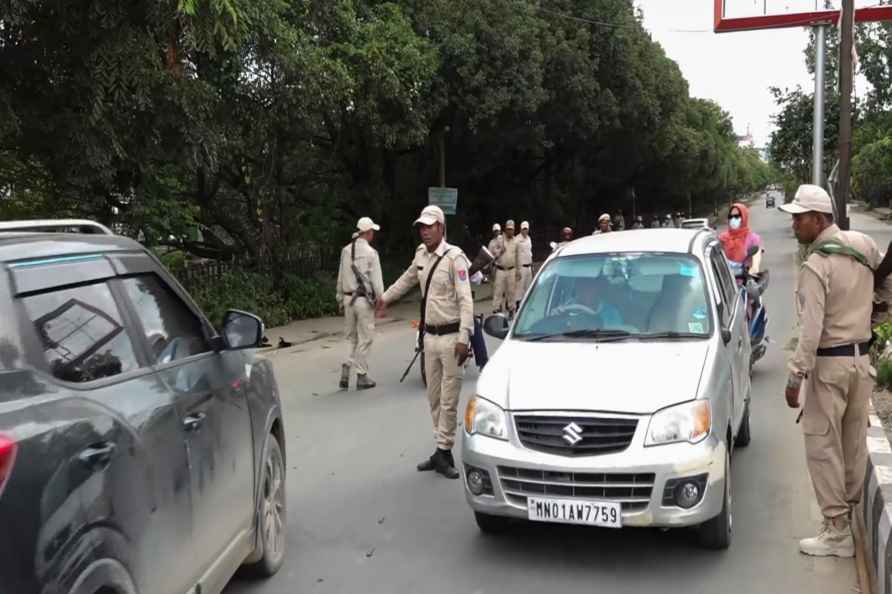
column 98, row 455
column 194, row 422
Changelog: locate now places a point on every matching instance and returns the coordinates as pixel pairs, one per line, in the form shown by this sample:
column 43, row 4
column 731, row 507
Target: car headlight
column 486, row 418
column 690, row 422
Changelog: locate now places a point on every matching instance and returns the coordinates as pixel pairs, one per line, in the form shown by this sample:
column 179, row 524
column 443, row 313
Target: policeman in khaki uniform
column 831, row 366
column 507, row 274
column 448, row 324
column 524, row 261
column 359, row 284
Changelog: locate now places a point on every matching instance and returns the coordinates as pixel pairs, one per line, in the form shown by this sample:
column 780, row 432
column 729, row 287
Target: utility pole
column 817, row 175
column 443, row 156
column 845, row 112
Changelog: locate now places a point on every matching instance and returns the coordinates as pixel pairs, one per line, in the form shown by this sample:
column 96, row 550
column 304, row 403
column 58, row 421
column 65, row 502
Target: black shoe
column 345, row 377
column 428, row 464
column 445, row 465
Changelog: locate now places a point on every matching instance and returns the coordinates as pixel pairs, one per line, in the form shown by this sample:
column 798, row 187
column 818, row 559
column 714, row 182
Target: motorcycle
column 754, row 282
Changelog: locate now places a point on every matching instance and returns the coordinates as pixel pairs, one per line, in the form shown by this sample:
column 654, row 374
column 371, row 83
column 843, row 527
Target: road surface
column 362, row 520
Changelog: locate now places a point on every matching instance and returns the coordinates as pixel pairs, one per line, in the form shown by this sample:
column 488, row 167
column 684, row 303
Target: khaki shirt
column 369, row 265
column 834, row 298
column 508, row 259
column 524, row 250
column 450, row 297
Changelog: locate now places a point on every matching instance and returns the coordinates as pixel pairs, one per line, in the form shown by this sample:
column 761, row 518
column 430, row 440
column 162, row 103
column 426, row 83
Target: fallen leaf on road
column 370, row 553
column 381, row 520
column 319, row 580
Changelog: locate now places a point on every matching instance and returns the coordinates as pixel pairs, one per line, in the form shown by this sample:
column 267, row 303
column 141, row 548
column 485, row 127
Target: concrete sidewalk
column 304, row 331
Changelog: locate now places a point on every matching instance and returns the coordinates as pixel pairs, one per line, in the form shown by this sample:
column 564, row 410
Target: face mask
column 735, row 223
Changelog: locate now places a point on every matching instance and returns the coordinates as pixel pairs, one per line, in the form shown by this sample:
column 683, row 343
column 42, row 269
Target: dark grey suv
column 140, row 449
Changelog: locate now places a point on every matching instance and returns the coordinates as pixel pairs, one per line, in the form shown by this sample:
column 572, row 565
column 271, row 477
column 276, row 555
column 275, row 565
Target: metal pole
column 443, row 158
column 845, row 112
column 818, row 140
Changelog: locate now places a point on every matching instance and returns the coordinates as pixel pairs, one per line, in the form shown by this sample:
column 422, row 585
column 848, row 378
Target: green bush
column 884, row 374
column 298, row 298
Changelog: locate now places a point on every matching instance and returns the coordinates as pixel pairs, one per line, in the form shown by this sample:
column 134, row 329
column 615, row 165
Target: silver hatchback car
column 619, row 392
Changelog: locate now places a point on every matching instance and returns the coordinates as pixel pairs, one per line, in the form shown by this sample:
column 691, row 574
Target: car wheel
column 716, row 533
column 743, row 436
column 490, row 524
column 271, row 526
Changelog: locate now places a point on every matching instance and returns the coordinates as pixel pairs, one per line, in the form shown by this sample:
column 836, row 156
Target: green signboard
column 445, row 198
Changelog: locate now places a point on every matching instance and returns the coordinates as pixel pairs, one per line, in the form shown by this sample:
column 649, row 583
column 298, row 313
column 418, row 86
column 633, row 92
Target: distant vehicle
column 141, row 450
column 695, row 224
column 769, row 201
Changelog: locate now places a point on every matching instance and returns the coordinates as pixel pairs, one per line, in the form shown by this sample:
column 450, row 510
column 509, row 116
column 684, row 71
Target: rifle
column 419, row 345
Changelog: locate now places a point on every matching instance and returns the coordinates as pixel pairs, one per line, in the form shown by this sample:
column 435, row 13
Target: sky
column 733, row 69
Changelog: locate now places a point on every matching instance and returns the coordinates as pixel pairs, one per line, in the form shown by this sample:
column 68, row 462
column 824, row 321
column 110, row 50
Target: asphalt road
column 362, row 520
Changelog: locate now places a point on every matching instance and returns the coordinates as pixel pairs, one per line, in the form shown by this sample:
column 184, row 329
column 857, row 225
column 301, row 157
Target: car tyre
column 744, row 436
column 716, row 534
column 271, row 514
column 490, row 524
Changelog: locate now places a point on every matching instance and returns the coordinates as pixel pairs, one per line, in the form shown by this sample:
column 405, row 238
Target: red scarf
column 734, row 240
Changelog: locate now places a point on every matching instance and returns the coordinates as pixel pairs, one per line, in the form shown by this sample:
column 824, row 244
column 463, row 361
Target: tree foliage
column 250, row 127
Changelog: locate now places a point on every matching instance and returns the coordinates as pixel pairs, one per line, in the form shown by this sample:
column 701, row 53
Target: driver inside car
column 588, row 299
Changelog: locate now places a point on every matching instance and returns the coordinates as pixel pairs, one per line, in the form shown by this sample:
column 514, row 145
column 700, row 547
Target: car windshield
column 614, row 297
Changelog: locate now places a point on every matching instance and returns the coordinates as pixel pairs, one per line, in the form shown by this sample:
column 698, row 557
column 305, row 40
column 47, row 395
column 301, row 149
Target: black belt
column 442, row 330
column 526, row 265
column 503, row 268
column 348, row 293
column 844, row 350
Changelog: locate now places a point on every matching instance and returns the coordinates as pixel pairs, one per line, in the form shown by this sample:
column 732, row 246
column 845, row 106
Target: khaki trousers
column 526, row 279
column 359, row 320
column 444, row 381
column 505, row 290
column 834, row 422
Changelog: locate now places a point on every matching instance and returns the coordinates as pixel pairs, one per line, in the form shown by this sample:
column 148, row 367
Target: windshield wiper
column 673, row 334
column 605, row 335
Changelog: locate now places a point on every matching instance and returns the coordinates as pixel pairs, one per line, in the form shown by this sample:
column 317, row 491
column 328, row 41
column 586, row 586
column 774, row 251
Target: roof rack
column 55, row 225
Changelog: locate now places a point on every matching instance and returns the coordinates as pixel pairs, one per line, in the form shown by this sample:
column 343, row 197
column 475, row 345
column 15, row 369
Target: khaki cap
column 604, row 217
column 809, row 198
column 496, row 227
column 431, row 215
column 524, row 225
column 366, row 224
column 509, row 224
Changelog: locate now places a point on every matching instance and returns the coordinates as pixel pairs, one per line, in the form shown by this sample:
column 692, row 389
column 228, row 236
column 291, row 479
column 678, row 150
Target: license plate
column 606, row 514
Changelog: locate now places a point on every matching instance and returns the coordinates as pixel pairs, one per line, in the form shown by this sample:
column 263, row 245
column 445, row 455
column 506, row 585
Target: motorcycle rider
column 737, row 241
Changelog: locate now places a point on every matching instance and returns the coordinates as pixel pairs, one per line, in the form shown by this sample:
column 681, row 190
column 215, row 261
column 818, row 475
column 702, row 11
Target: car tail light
column 8, row 450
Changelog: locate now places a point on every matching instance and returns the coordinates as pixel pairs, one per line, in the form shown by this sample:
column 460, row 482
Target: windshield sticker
column 687, row 270
column 699, row 313
column 695, row 327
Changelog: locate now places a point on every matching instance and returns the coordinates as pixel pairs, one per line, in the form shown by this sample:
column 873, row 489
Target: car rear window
column 82, row 333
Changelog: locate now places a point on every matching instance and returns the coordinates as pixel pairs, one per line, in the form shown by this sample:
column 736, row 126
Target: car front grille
column 633, row 491
column 575, row 436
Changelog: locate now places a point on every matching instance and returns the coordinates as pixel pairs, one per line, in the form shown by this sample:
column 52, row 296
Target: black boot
column 445, row 464
column 428, row 464
column 345, row 377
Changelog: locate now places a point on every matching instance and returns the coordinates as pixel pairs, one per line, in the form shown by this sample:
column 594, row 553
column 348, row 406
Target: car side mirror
column 241, row 330
column 497, row 326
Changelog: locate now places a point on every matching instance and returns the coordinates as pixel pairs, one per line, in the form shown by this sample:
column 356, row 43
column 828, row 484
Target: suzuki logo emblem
column 572, row 434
